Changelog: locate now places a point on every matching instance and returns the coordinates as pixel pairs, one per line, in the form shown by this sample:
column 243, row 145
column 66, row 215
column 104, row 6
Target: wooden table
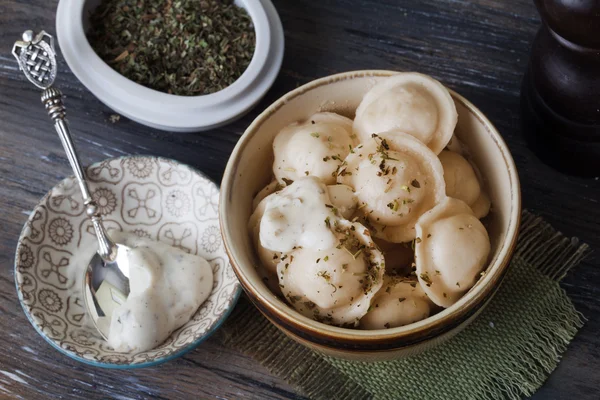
column 477, row 47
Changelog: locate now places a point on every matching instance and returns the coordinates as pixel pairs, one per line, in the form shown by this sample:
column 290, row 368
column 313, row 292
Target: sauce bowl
column 249, row 170
column 151, row 197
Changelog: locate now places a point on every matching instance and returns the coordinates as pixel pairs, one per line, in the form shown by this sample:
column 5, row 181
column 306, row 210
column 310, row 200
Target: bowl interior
column 151, row 197
column 249, row 170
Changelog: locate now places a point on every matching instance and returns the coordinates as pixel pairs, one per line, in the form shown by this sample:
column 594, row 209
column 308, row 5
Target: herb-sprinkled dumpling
column 451, row 249
column 329, row 201
column 408, row 102
column 315, row 147
column 462, row 182
column 343, row 199
column 334, row 285
column 294, row 217
column 268, row 258
column 271, row 188
column 399, row 302
column 396, row 179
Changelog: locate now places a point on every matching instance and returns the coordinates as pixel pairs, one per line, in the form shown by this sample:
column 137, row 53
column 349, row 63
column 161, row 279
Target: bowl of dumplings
column 370, row 215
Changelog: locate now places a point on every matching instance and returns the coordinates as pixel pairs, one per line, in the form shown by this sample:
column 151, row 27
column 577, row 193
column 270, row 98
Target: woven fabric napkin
column 506, row 353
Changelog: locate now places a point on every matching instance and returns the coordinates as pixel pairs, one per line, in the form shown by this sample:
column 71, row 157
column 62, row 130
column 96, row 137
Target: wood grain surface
column 477, row 47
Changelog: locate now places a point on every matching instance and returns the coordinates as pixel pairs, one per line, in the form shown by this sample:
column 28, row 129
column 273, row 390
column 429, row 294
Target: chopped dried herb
column 183, row 47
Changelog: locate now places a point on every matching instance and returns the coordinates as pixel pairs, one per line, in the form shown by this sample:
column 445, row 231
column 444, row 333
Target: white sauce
column 167, row 286
column 295, row 217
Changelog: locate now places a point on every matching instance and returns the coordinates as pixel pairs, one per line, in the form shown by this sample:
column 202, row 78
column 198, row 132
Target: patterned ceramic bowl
column 152, row 197
column 244, row 177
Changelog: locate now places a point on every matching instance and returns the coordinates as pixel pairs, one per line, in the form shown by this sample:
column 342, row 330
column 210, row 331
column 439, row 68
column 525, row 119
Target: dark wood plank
column 477, row 47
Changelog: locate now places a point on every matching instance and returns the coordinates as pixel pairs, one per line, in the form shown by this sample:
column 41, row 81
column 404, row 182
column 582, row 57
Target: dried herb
column 182, row 47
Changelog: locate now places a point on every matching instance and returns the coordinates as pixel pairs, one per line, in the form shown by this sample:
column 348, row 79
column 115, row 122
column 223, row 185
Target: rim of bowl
column 141, row 103
column 409, row 334
column 191, row 346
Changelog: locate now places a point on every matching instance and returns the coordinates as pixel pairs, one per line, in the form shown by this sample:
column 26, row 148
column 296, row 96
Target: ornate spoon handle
column 37, row 60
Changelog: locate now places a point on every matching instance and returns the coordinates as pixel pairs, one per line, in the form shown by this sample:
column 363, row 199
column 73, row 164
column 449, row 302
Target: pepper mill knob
column 560, row 95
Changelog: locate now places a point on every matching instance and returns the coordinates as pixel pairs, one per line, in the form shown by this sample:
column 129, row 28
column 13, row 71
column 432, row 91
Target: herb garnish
column 183, row 47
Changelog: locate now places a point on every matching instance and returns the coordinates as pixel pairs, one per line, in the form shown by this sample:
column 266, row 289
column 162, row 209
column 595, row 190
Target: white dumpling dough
column 451, row 249
column 396, row 179
column 315, row 147
column 271, row 188
column 268, row 258
column 462, row 182
column 334, row 285
column 343, row 199
column 460, row 178
column 338, row 200
column 297, row 216
column 408, row 102
column 482, row 205
column 399, row 302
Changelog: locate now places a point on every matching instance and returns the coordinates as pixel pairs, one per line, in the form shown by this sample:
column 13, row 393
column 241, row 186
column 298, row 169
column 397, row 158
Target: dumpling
column 315, row 147
column 408, row 102
column 298, row 216
column 399, row 302
column 264, row 192
column 396, row 179
column 268, row 258
column 462, row 182
column 482, row 205
column 343, row 199
column 334, row 285
column 460, row 178
column 451, row 249
column 321, row 203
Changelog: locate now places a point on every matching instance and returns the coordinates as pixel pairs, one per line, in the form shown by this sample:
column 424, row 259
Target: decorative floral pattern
column 155, row 193
column 26, row 259
column 141, row 233
column 50, row 300
column 178, row 203
column 140, row 167
column 211, row 239
column 106, row 200
column 60, row 231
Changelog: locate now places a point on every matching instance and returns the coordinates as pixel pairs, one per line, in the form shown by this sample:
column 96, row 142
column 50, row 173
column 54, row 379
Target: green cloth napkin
column 506, row 353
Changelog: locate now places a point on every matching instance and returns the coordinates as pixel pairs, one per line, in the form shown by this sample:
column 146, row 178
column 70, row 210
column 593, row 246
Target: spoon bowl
column 106, row 287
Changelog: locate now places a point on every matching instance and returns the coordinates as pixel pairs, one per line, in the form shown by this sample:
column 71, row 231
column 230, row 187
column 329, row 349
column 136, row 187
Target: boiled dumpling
column 268, row 258
column 336, row 201
column 334, row 285
column 396, row 179
column 343, row 199
column 315, row 147
column 451, row 249
column 264, row 192
column 460, row 178
column 399, row 302
column 408, row 102
column 298, row 216
column 482, row 205
column 462, row 182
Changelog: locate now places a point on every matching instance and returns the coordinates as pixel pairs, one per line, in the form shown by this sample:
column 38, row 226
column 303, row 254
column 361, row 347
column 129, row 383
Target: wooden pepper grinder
column 560, row 94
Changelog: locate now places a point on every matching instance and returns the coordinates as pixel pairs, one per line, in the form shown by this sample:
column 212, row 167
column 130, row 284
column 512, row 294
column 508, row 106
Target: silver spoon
column 106, row 283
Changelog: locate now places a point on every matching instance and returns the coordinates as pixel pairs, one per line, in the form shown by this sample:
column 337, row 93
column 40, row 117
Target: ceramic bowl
column 249, row 170
column 166, row 111
column 151, row 197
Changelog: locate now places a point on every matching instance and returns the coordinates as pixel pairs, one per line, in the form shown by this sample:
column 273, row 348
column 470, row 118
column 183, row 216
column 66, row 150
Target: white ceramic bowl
column 151, row 197
column 162, row 110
